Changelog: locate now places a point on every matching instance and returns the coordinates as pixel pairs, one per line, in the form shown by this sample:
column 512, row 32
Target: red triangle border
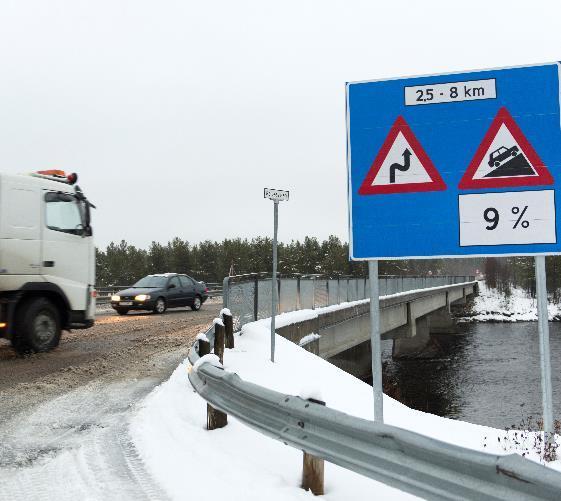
column 504, row 117
column 436, row 183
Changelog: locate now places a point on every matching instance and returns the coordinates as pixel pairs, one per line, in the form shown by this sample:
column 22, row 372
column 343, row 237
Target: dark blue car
column 157, row 293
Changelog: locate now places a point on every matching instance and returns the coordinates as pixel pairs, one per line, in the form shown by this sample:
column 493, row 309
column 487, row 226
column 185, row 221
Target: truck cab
column 47, row 259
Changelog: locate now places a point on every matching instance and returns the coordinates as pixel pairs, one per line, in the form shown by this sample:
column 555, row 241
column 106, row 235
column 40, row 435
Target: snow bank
column 308, row 339
column 237, row 463
column 211, row 358
column 201, row 336
column 492, row 306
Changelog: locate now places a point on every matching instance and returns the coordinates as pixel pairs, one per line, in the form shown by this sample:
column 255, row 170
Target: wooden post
column 313, row 469
column 219, row 340
column 214, row 418
column 204, row 347
column 229, row 326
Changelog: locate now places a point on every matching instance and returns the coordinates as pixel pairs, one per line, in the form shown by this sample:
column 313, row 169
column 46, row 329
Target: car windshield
column 151, row 281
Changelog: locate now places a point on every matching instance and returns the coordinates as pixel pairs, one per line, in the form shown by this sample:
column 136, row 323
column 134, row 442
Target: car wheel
column 160, row 305
column 197, row 303
column 122, row 311
column 37, row 327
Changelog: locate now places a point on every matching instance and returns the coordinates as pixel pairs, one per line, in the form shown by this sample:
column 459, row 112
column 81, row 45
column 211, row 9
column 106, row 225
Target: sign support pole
column 274, row 279
column 545, row 357
column 375, row 342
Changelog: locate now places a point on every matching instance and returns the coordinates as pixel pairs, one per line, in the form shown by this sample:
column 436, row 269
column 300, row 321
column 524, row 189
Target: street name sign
column 275, row 195
column 463, row 164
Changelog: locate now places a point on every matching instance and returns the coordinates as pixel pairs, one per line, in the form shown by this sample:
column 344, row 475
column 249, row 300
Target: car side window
column 175, row 281
column 186, row 281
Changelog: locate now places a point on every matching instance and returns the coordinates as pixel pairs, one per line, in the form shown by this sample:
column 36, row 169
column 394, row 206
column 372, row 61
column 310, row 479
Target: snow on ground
column 492, row 306
column 239, row 463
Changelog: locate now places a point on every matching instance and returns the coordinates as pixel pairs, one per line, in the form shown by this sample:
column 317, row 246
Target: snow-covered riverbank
column 492, row 306
column 238, row 463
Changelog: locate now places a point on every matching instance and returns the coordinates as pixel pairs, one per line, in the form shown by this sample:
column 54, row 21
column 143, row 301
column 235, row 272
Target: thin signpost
column 375, row 341
column 545, row 357
column 276, row 196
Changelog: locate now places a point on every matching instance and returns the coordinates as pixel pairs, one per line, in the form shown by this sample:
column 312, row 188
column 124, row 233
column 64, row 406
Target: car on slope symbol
column 159, row 292
column 501, row 154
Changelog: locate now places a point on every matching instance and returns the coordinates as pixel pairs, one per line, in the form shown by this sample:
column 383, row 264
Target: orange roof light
column 52, row 172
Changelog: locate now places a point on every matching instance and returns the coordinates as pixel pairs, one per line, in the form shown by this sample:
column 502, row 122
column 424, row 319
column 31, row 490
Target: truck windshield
column 63, row 213
column 151, row 281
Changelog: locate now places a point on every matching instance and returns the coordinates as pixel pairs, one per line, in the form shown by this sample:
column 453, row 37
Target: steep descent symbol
column 505, row 158
column 401, row 165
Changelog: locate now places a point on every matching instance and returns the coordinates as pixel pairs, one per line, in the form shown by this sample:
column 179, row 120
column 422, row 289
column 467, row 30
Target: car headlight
column 115, row 298
column 142, row 297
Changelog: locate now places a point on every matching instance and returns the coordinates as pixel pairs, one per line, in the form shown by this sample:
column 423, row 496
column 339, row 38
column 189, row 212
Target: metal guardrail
column 414, row 463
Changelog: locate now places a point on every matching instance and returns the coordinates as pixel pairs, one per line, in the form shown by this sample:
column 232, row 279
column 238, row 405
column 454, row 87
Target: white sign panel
column 276, row 195
column 521, row 217
column 471, row 90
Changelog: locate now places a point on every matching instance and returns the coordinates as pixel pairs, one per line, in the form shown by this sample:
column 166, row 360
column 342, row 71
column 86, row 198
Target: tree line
column 210, row 261
column 507, row 273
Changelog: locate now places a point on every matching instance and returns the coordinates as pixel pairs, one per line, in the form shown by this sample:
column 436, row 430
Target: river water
column 489, row 376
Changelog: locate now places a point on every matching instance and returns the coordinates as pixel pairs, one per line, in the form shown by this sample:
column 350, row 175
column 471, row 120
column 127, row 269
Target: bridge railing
column 249, row 297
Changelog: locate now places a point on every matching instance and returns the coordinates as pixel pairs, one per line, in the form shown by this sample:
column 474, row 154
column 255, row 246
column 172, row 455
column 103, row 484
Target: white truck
column 47, row 259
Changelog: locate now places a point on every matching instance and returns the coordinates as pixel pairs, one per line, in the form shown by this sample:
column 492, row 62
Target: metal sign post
column 375, row 342
column 545, row 357
column 276, row 196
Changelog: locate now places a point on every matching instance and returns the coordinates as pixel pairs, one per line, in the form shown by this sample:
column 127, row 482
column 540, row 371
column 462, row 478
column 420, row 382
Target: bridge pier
column 356, row 361
column 442, row 322
column 421, row 345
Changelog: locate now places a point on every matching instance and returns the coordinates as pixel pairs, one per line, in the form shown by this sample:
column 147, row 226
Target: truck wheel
column 37, row 326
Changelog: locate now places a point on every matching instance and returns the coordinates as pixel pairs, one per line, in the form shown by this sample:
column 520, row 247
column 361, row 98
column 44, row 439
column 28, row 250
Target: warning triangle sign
column 505, row 158
column 401, row 166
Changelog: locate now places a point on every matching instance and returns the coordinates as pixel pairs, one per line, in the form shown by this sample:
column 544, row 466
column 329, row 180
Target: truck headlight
column 142, row 297
column 115, row 298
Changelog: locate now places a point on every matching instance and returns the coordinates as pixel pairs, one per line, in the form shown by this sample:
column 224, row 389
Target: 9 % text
column 492, row 216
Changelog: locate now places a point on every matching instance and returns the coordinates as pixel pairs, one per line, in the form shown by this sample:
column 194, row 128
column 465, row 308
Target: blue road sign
column 463, row 164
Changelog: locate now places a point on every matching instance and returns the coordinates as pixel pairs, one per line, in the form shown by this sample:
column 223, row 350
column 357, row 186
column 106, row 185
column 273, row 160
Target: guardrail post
column 204, row 348
column 338, row 290
column 214, row 418
column 229, row 329
column 313, row 468
column 298, row 295
column 256, row 300
column 219, row 339
column 313, row 293
column 225, row 291
column 348, row 287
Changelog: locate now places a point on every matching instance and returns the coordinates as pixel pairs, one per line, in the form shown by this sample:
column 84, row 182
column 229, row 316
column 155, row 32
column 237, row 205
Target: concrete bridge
column 418, row 322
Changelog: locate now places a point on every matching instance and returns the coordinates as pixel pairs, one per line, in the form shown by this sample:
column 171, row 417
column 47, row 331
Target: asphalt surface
column 117, row 348
column 65, row 415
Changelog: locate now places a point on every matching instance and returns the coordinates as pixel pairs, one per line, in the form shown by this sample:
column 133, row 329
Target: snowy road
column 64, row 416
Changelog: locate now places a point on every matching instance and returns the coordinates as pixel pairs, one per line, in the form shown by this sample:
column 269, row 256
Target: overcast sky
column 176, row 114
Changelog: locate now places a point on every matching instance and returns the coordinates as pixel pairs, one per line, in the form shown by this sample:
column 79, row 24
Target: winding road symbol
column 402, row 168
